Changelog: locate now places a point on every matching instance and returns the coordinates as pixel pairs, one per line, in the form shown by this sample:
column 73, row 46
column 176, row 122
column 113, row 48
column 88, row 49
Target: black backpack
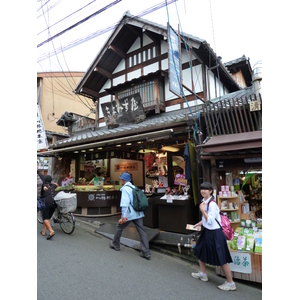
column 140, row 200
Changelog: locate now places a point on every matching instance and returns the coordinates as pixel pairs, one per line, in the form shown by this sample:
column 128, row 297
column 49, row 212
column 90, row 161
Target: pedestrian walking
column 130, row 215
column 211, row 247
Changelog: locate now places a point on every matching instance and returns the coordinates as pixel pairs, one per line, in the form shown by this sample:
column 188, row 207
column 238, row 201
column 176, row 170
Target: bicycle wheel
column 40, row 217
column 67, row 222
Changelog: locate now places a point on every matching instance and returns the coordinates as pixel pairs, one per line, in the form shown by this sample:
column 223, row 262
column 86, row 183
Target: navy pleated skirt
column 211, row 247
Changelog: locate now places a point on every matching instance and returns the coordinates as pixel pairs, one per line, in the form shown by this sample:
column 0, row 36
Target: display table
column 239, row 259
column 151, row 214
column 98, row 203
column 173, row 216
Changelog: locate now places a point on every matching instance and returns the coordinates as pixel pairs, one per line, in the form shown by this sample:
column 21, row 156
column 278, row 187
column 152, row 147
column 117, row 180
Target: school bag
column 225, row 224
column 140, row 200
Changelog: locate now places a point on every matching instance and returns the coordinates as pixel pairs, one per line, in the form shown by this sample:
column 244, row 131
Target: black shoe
column 111, row 245
column 147, row 256
column 50, row 236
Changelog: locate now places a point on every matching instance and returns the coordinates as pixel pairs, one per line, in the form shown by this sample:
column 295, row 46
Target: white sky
column 231, row 27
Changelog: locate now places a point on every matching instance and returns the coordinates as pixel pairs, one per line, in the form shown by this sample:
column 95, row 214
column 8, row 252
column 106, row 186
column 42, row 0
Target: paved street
column 82, row 266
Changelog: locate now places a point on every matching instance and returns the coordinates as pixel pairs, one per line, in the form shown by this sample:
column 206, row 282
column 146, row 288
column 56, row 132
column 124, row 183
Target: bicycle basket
column 66, row 202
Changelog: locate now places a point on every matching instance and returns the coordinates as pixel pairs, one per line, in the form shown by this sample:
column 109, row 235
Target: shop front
column 154, row 157
column 235, row 166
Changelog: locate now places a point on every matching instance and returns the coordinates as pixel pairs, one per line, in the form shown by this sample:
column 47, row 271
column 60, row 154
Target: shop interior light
column 100, row 148
column 170, row 149
column 253, row 172
column 118, row 145
column 146, row 151
column 91, row 149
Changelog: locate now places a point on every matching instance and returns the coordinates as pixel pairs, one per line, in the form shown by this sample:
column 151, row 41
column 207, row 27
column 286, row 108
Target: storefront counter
column 98, row 203
column 151, row 214
column 174, row 214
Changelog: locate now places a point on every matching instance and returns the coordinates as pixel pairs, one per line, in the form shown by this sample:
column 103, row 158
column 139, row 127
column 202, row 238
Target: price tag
column 169, row 199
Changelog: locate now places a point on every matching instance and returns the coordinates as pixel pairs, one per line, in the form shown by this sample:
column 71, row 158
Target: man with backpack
column 130, row 215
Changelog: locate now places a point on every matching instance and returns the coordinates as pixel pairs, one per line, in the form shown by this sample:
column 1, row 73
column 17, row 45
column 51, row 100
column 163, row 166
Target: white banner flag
column 42, row 142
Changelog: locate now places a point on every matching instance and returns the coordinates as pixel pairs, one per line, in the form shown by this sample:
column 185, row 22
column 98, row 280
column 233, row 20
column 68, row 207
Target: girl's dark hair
column 206, row 186
column 48, row 179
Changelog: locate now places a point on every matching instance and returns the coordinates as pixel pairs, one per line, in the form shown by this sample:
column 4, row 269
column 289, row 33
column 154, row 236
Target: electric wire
column 195, row 128
column 101, row 31
column 49, row 8
column 80, row 22
column 218, row 73
column 189, row 61
column 87, row 105
column 67, row 16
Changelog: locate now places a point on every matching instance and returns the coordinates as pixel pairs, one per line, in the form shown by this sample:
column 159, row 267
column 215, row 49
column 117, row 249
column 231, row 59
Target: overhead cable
column 78, row 23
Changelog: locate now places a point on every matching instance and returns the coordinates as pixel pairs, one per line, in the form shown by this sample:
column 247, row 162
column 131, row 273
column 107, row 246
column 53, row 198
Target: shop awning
column 231, row 142
column 161, row 126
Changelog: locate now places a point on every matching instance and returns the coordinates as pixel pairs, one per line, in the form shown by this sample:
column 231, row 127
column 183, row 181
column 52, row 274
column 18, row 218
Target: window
column 149, row 91
column 143, row 56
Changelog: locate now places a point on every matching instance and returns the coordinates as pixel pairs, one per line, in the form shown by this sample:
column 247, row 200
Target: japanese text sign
column 241, row 262
column 124, row 110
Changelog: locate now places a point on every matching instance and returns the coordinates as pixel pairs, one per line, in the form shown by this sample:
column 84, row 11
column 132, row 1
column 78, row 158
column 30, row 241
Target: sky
column 231, row 27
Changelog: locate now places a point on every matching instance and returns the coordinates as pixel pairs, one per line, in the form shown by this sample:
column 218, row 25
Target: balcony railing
column 233, row 115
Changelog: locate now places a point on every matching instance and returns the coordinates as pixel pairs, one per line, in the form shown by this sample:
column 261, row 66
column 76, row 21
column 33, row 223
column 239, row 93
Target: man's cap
column 125, row 176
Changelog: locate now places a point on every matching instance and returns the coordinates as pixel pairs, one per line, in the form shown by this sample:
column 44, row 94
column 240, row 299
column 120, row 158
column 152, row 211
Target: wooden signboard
column 125, row 110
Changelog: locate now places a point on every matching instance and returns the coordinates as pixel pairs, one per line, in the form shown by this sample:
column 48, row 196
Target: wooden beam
column 193, row 93
column 182, row 100
column 118, row 51
column 151, row 36
column 103, row 72
column 133, row 30
column 90, row 92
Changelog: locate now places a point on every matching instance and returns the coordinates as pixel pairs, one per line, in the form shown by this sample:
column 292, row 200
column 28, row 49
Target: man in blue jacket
column 130, row 215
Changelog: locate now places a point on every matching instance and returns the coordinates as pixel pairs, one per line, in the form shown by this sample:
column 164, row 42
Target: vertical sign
column 174, row 62
column 41, row 134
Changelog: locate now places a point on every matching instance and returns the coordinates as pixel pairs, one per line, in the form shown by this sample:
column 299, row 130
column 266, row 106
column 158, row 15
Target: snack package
column 234, row 243
column 241, row 242
column 258, row 245
column 239, row 230
column 243, row 223
column 250, row 243
column 191, row 227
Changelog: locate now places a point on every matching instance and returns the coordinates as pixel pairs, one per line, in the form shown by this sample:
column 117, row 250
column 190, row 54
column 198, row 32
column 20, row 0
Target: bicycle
column 66, row 204
column 66, row 221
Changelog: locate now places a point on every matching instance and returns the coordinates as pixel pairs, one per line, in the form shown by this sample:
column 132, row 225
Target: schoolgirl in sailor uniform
column 211, row 247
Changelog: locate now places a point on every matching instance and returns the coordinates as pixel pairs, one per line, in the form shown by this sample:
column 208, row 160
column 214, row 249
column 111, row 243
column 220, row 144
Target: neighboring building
column 56, row 99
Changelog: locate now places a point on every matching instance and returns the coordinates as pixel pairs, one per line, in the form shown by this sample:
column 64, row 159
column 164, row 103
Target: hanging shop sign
column 180, row 180
column 126, row 167
column 42, row 142
column 124, row 110
column 174, row 62
column 255, row 105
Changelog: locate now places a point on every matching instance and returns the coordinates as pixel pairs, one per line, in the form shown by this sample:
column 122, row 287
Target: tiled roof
column 150, row 124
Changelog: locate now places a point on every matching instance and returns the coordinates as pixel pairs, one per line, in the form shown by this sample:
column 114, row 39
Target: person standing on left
column 47, row 213
column 130, row 215
column 40, row 182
